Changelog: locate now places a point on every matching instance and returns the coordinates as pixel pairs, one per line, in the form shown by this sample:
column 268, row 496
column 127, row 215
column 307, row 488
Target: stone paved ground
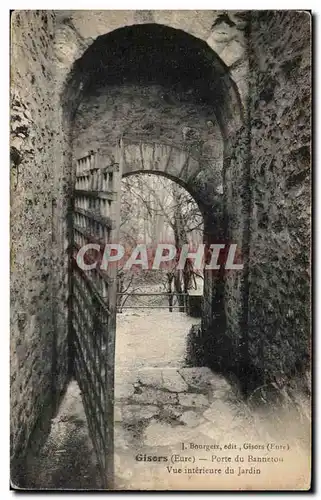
column 163, row 414
column 165, row 407
column 159, row 404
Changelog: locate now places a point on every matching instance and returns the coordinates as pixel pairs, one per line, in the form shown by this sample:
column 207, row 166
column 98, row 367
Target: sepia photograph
column 160, row 250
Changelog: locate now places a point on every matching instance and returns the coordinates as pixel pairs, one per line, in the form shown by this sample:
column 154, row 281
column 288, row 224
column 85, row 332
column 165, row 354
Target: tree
column 155, row 210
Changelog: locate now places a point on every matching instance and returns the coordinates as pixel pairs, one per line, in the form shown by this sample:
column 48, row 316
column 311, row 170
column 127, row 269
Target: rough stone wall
column 38, row 321
column 224, row 34
column 279, row 311
column 236, row 203
column 148, row 111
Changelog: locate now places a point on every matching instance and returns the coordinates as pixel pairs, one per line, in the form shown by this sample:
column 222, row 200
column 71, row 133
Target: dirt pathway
column 152, row 338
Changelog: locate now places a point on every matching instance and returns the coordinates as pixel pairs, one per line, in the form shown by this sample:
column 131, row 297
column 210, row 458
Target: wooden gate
column 95, row 219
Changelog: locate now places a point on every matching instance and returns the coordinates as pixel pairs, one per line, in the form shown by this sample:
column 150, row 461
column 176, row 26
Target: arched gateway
column 133, row 104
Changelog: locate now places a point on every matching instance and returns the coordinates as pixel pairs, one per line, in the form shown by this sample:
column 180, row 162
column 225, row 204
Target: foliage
column 154, row 210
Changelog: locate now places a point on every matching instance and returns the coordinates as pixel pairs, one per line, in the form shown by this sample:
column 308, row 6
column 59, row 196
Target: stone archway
column 148, row 154
column 174, row 120
column 130, row 94
column 114, row 74
column 223, row 50
column 145, row 154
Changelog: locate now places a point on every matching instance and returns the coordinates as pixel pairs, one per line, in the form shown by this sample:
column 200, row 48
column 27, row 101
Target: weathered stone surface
column 121, row 467
column 220, row 383
column 279, row 311
column 134, row 413
column 124, row 391
column 123, row 473
column 122, row 437
column 221, row 388
column 38, row 256
column 109, row 110
column 152, row 376
column 174, row 410
column 191, row 419
column 160, row 434
column 233, row 52
column 172, row 381
column 222, row 414
column 200, row 378
column 220, row 394
column 193, row 400
column 117, row 413
column 155, row 396
column 210, row 430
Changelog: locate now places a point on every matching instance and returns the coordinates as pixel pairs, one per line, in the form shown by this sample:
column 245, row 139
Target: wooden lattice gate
column 95, row 219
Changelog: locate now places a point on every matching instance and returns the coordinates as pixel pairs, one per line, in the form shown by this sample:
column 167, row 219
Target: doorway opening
column 134, row 83
column 156, row 210
column 155, row 315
